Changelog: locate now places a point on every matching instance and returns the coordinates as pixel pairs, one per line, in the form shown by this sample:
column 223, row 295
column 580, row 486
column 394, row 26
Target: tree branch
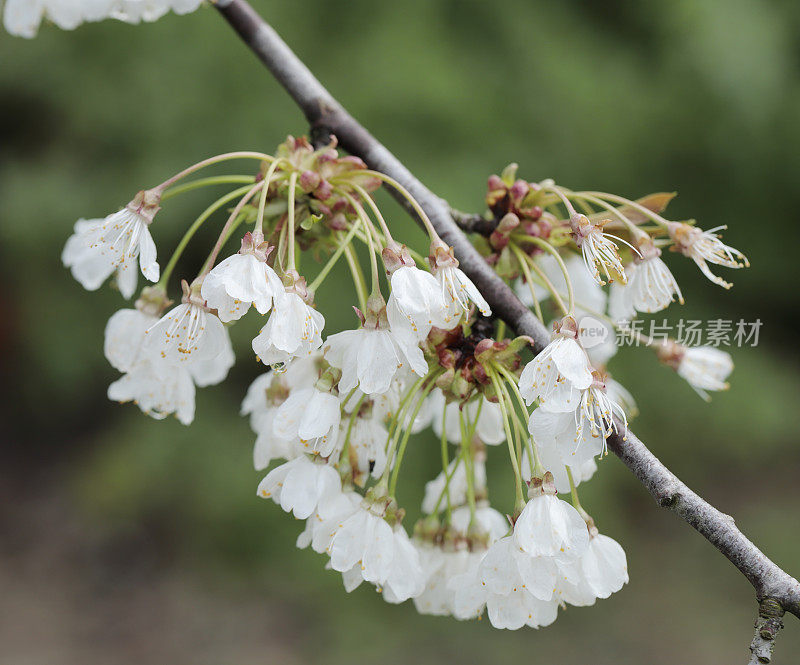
column 327, row 117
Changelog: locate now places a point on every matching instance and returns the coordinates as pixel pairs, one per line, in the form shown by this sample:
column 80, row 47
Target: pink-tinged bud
column 353, row 161
column 483, row 346
column 309, row 181
column 494, row 183
column 498, row 241
column 519, row 190
column 338, row 222
column 447, row 358
column 536, row 212
column 499, row 237
column 324, row 191
column 508, row 223
column 146, row 204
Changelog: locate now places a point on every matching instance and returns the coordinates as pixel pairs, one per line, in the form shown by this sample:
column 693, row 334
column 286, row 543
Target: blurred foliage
column 697, row 96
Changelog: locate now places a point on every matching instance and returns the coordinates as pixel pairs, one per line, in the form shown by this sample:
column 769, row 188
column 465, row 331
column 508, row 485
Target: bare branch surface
column 327, row 117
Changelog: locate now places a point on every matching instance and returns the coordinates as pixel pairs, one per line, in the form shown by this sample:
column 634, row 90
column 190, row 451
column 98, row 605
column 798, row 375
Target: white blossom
column 240, row 281
column 457, row 289
column 558, row 374
column 264, row 396
column 187, row 335
column 550, row 527
column 651, row 287
column 517, row 588
column 367, row 444
column 383, row 555
column 705, row 368
column 327, row 518
column 157, row 391
column 155, row 384
column 313, row 417
column 371, row 356
column 416, row 303
column 100, row 247
column 598, row 250
column 705, row 247
column 452, row 586
column 294, row 330
column 300, row 485
column 604, row 566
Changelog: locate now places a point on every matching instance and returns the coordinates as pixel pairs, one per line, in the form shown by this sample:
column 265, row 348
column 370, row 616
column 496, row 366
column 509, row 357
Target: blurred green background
column 126, row 540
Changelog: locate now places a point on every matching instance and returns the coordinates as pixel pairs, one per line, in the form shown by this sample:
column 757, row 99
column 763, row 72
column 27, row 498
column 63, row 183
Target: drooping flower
column 300, row 485
column 100, row 247
column 23, row 17
column 366, row 544
column 294, row 330
column 156, row 386
column 124, row 334
column 550, row 527
column 242, row 280
column 577, row 437
column 604, row 565
column 157, row 391
column 458, row 291
column 518, row 589
column 558, row 374
column 416, row 303
column 327, row 518
column 705, row 368
column 650, row 288
column 371, row 356
column 705, row 247
column 599, row 251
column 311, row 416
column 367, row 445
column 189, row 334
column 452, row 586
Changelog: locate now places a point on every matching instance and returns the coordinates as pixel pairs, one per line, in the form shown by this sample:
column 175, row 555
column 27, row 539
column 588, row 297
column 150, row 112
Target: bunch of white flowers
column 334, row 417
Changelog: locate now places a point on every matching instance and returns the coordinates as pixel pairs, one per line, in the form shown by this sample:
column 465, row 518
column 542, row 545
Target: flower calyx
column 153, row 301
column 254, row 243
column 146, row 204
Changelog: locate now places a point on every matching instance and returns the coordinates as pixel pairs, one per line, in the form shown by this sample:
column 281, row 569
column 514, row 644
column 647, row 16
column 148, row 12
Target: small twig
column 767, row 625
column 471, row 223
column 327, row 117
